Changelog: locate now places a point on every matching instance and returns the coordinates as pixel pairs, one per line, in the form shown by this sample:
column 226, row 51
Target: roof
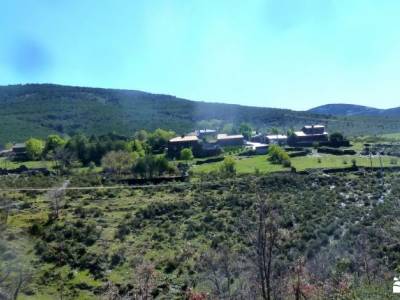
column 5, row 151
column 277, row 137
column 187, row 138
column 256, row 145
column 19, row 145
column 301, row 133
column 224, row 136
column 314, row 126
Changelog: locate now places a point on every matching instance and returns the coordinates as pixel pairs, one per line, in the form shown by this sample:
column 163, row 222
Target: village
column 203, row 150
column 208, row 142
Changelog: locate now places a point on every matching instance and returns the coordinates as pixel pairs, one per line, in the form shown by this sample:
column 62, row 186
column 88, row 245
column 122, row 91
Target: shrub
column 354, row 162
column 34, row 148
column 228, row 166
column 117, row 162
column 186, row 154
column 277, row 155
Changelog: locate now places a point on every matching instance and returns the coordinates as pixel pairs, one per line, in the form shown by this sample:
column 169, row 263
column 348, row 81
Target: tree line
column 142, row 154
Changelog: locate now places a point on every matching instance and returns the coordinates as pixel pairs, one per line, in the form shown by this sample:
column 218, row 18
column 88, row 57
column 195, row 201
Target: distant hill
column 354, row 110
column 42, row 109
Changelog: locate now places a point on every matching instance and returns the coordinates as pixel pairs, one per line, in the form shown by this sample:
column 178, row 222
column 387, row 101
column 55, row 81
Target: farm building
column 276, row 139
column 311, row 134
column 230, row 140
column 19, row 151
column 176, row 144
column 259, row 148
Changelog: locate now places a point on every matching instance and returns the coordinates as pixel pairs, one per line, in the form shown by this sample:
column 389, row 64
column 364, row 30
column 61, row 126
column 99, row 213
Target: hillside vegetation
column 39, row 110
column 336, row 238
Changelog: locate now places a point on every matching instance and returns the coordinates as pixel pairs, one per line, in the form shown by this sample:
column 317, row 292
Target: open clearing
column 260, row 162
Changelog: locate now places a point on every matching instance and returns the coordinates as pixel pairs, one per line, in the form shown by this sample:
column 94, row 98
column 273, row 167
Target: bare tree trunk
column 265, row 242
column 20, row 281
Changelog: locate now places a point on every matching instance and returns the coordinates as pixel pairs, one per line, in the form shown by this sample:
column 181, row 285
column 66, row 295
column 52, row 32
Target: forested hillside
column 38, row 110
column 354, row 110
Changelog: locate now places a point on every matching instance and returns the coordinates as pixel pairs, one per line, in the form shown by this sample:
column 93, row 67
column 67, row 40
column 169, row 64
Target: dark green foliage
column 278, row 155
column 40, row 110
column 336, row 139
column 67, row 243
column 245, row 130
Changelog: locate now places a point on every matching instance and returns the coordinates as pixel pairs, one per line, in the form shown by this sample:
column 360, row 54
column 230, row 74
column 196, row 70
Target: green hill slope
column 38, row 110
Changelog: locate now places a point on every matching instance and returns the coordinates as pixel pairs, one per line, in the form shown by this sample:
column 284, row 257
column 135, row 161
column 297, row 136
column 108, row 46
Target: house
column 224, row 140
column 258, row 148
column 18, row 151
column 176, row 144
column 278, row 139
column 310, row 134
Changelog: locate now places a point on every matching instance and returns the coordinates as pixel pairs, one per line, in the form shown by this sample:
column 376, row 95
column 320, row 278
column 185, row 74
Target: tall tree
column 117, row 162
column 246, row 130
column 54, row 142
column 34, row 148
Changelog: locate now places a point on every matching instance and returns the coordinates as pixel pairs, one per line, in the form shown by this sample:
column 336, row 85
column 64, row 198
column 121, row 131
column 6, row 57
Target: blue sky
column 276, row 53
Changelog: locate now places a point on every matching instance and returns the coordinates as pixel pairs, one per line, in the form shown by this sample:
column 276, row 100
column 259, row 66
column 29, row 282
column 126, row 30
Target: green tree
column 277, row 155
column 336, row 139
column 135, row 146
column 117, row 162
column 228, row 166
column 274, row 130
column 159, row 138
column 186, row 154
column 228, row 128
column 161, row 165
column 34, row 148
column 54, row 142
column 82, row 148
column 290, row 132
column 149, row 165
column 141, row 135
column 245, row 130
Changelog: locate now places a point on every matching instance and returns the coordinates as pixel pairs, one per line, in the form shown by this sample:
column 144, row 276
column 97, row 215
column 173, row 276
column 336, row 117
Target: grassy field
column 394, row 136
column 7, row 164
column 245, row 165
column 335, row 161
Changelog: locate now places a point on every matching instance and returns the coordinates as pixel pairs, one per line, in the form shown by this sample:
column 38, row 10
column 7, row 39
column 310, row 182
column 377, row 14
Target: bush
column 228, row 166
column 186, row 154
column 336, row 139
column 354, row 162
column 34, row 148
column 277, row 155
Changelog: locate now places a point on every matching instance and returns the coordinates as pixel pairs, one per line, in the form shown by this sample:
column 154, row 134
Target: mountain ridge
column 343, row 109
column 42, row 109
